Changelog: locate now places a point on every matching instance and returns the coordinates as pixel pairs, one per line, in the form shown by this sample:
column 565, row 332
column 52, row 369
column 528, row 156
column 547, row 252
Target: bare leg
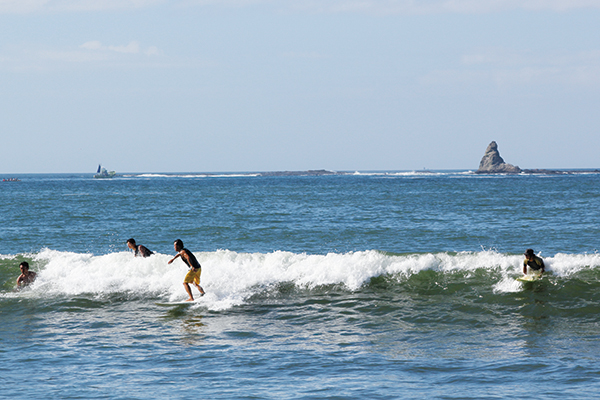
column 200, row 289
column 189, row 291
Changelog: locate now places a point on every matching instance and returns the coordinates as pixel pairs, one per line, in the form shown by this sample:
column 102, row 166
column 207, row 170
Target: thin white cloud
column 132, row 47
column 27, row 60
column 37, row 6
column 410, row 7
column 383, row 7
column 93, row 45
column 506, row 58
column 504, row 68
column 69, row 56
column 152, row 51
column 92, row 53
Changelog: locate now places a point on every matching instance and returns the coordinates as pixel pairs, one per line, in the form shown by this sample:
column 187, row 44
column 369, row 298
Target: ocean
column 374, row 285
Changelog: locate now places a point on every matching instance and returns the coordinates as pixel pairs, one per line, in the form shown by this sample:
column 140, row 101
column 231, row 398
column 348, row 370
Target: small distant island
column 493, row 163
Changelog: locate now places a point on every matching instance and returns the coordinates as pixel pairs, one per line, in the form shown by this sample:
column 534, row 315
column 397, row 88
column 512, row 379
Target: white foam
column 229, row 278
column 508, row 284
column 568, row 264
column 73, row 273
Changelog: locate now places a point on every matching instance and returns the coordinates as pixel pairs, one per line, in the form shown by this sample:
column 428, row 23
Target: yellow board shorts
column 193, row 276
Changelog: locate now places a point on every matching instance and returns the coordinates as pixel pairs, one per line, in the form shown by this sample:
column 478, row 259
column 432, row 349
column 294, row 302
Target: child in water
column 27, row 277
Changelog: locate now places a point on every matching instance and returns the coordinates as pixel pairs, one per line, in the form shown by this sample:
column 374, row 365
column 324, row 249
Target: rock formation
column 492, row 163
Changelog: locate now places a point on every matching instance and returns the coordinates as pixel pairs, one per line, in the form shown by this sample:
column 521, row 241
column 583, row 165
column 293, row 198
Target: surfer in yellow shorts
column 193, row 275
column 534, row 262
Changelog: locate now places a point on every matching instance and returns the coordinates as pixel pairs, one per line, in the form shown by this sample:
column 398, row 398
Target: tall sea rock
column 492, row 163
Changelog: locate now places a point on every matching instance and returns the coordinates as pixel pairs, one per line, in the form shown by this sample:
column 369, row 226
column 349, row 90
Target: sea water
column 377, row 285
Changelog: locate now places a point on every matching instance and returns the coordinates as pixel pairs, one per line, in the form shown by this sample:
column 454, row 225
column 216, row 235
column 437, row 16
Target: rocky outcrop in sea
column 492, row 163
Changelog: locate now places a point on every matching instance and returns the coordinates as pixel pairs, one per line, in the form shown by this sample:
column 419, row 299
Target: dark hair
column 179, row 243
column 132, row 241
column 24, row 264
column 529, row 252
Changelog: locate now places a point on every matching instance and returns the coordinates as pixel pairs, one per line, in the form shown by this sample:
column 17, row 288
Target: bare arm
column 174, row 258
column 24, row 280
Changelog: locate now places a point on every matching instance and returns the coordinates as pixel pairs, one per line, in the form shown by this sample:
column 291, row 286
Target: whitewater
column 232, row 278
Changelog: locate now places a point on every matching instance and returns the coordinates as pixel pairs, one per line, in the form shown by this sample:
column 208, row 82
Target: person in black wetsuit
column 138, row 249
column 193, row 275
column 534, row 262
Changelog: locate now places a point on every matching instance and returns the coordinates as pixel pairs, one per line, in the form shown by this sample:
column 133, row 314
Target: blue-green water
column 378, row 285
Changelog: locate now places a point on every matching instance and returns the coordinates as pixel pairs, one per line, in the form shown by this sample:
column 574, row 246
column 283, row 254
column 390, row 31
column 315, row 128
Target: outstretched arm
column 174, row 258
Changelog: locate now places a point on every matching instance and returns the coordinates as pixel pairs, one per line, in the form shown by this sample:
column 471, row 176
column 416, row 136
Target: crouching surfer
column 27, row 277
column 534, row 262
column 193, row 275
column 139, row 250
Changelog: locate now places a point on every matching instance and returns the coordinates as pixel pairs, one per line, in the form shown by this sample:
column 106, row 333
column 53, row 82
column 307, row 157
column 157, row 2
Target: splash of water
column 230, row 278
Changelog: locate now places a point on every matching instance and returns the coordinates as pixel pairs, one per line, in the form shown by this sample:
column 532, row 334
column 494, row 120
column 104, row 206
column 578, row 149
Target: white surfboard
column 529, row 278
column 176, row 303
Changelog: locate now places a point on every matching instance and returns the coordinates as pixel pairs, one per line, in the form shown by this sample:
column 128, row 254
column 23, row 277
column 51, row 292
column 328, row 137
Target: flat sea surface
column 382, row 285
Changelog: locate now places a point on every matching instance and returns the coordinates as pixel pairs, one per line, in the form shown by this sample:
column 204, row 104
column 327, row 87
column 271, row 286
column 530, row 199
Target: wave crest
column 231, row 278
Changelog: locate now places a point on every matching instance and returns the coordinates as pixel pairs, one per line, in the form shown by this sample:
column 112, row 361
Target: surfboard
column 528, row 278
column 176, row 303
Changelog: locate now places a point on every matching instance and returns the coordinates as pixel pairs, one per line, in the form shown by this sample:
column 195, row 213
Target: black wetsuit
column 536, row 264
column 142, row 251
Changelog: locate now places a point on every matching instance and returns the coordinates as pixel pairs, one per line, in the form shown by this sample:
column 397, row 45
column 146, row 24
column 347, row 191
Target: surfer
column 138, row 249
column 27, row 277
column 532, row 261
column 193, row 275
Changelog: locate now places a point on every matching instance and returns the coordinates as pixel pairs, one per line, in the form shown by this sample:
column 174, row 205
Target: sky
column 294, row 85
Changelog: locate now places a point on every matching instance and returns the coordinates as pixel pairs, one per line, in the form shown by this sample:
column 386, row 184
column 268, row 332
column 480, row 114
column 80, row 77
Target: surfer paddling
column 27, row 277
column 138, row 249
column 193, row 275
column 534, row 262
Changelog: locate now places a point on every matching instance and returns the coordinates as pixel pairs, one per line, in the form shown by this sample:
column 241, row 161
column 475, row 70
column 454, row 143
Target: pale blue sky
column 259, row 85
